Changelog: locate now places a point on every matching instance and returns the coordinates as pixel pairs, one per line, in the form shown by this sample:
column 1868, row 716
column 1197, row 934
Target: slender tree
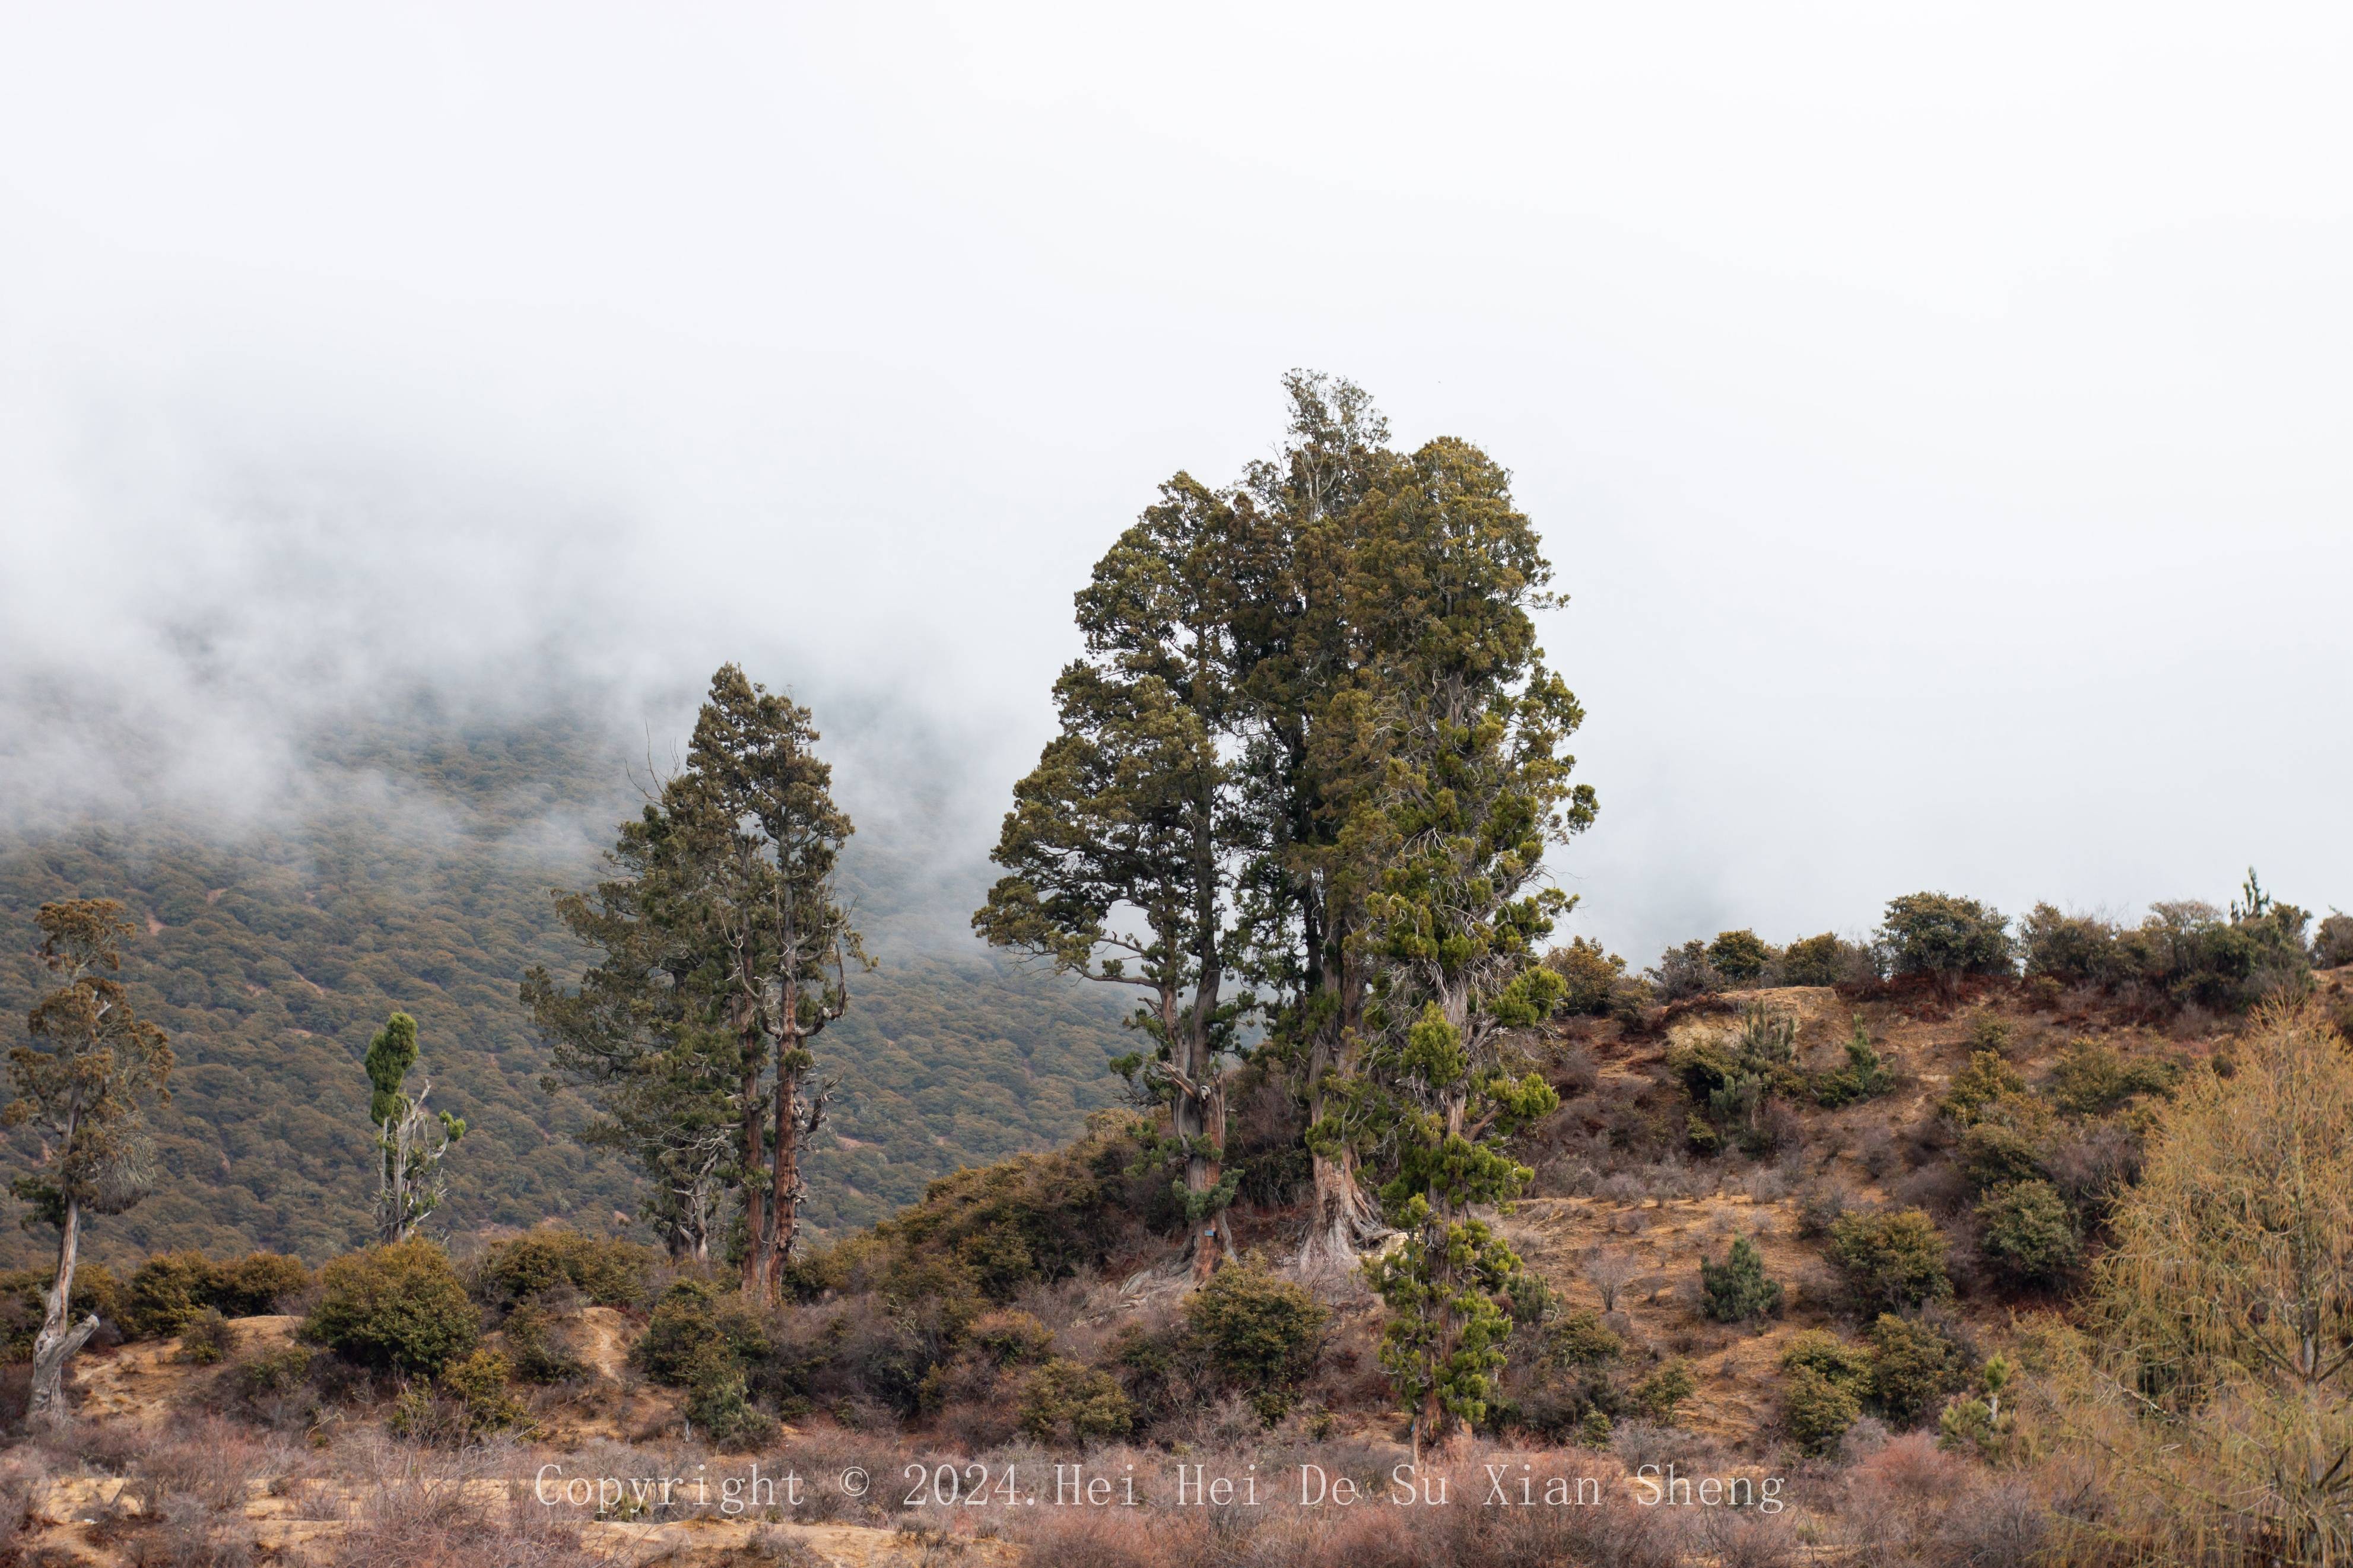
column 83, row 1084
column 1124, row 848
column 411, row 1143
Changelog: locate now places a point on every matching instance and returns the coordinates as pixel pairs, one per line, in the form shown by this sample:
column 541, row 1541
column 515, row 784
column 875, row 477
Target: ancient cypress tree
column 1124, row 843
column 83, row 1084
column 725, row 950
column 410, row 1142
column 1471, row 728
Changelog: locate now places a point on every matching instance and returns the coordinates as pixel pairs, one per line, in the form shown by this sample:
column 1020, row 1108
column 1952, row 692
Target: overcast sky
column 1936, row 413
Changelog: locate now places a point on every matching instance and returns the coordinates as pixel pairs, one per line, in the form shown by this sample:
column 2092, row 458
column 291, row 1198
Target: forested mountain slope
column 418, row 877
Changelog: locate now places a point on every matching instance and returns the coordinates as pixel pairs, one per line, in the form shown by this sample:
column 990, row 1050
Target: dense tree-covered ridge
column 417, row 879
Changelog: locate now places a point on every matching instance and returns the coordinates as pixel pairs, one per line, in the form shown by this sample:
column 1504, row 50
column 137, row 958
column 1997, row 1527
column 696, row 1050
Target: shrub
column 2332, row 944
column 1588, row 975
column 207, row 1338
column 2075, row 950
column 1740, row 956
column 2027, row 1232
column 1893, row 1261
column 257, row 1283
column 553, row 1260
column 2092, row 1080
column 693, row 1319
column 164, row 1294
column 538, row 1355
column 478, row 1383
column 1259, row 1329
column 1996, row 1153
column 1985, row 1082
column 1580, row 1339
column 1828, row 1356
column 24, row 1300
column 1661, row 1394
column 1913, row 1364
column 1825, row 959
column 1940, row 935
column 1684, row 972
column 1738, row 1288
column 399, row 1307
column 1006, row 1337
column 1817, row 1411
column 274, row 1372
column 1064, row 1402
column 1864, row 1075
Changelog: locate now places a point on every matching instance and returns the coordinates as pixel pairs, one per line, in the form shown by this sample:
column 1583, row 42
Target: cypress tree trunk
column 755, row 1206
column 56, row 1342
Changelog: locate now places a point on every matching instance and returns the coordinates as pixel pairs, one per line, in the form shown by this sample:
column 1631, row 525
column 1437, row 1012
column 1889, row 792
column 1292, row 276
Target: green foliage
column 1007, row 1337
column 1660, row 1396
column 1684, row 972
column 2029, row 1233
column 1997, row 1152
column 1978, row 1425
column 282, row 952
column 475, row 1402
column 1829, row 1357
column 1590, row 977
column 1946, row 936
column 532, row 1344
column 1978, row 1088
column 1260, row 1330
column 172, row 1289
column 1893, row 1261
column 24, row 1294
column 1824, row 960
column 400, row 1306
column 2075, row 950
column 694, row 1323
column 206, row 1339
column 1580, row 1339
column 1730, row 1079
column 2182, row 953
column 273, row 1373
column 2332, row 942
column 1740, row 956
column 1864, row 1075
column 1914, row 1365
column 2092, row 1080
column 1817, row 1409
column 550, row 1260
column 1738, row 1289
column 1066, row 1401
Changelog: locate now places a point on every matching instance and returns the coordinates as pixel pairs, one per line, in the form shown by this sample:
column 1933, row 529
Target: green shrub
column 2332, row 943
column 1893, row 1261
column 1864, row 1075
column 274, row 1372
column 1828, row 1356
column 1994, row 1153
column 2029, row 1233
column 1740, row 956
column 2092, row 1080
column 1825, row 959
column 164, row 1294
column 1008, row 1336
column 1940, row 935
column 1914, row 1365
column 24, row 1300
column 399, row 1307
column 551, row 1260
column 1259, row 1329
column 1738, row 1288
column 1978, row 1425
column 1064, row 1402
column 1816, row 1410
column 469, row 1401
column 1661, row 1394
column 532, row 1344
column 694, row 1318
column 1588, row 975
column 258, row 1284
column 1683, row 973
column 2074, row 950
column 1977, row 1087
column 207, row 1338
column 1580, row 1339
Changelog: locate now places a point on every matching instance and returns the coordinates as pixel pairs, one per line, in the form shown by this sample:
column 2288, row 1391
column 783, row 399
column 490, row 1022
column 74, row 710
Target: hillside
column 416, row 876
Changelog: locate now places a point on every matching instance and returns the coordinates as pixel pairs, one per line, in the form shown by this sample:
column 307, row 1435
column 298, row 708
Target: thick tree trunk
column 59, row 1338
column 755, row 1197
column 784, row 1201
column 1345, row 1218
column 1213, row 1239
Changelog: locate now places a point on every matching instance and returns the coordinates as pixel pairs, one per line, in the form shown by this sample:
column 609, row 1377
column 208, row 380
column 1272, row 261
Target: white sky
column 1936, row 412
